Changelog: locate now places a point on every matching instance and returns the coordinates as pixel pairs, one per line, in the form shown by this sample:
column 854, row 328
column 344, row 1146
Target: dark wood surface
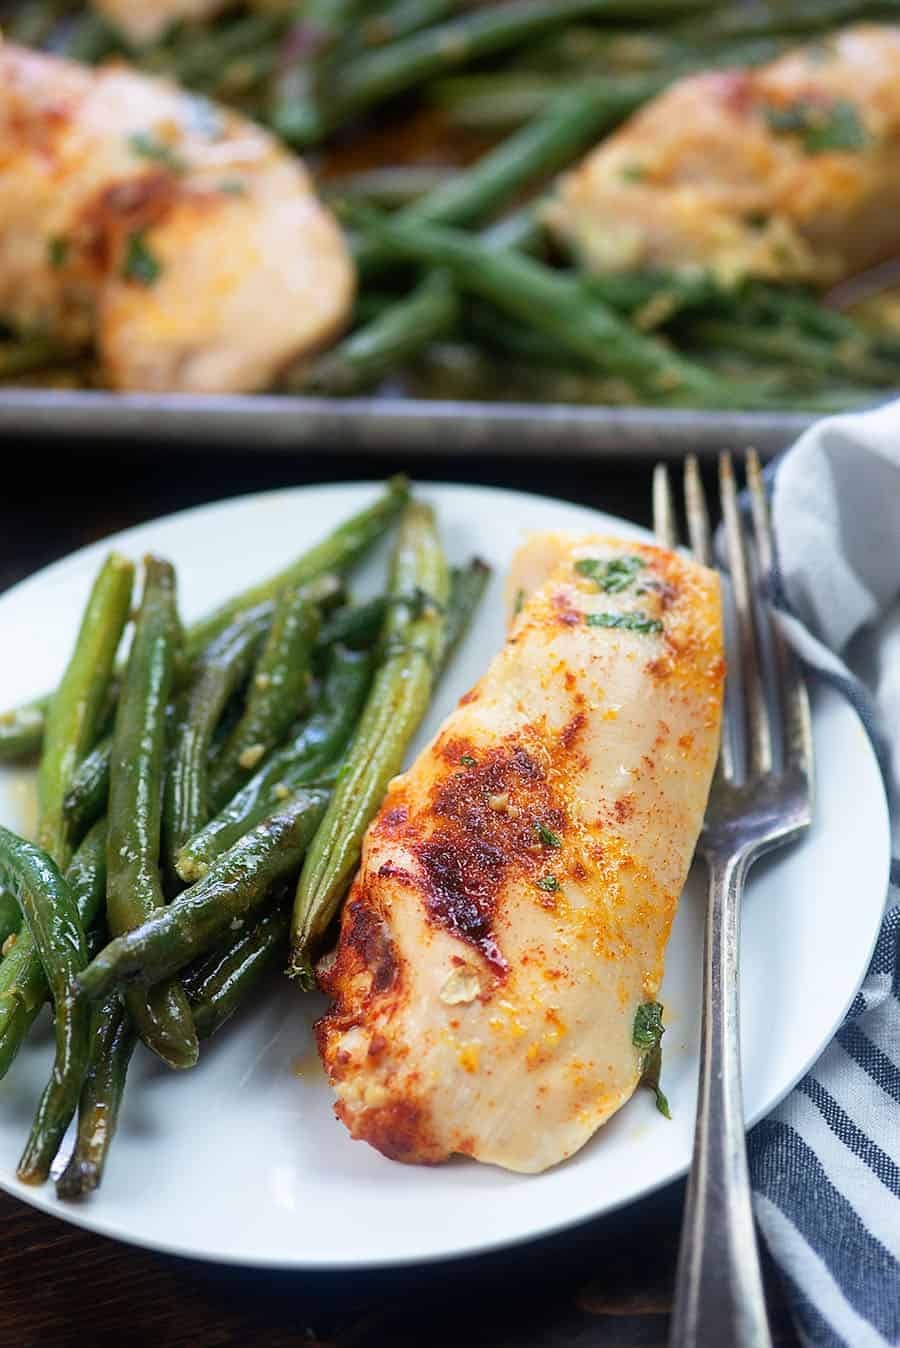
column 607, row 1283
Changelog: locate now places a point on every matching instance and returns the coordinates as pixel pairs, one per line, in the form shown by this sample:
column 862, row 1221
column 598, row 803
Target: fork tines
column 752, row 571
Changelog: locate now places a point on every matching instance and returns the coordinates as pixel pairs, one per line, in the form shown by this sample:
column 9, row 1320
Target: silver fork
column 761, row 799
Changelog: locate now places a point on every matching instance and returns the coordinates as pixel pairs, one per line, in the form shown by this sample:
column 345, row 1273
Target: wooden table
column 607, row 1283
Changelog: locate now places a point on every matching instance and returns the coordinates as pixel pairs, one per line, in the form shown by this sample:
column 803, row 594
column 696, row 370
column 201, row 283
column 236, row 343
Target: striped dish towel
column 825, row 1166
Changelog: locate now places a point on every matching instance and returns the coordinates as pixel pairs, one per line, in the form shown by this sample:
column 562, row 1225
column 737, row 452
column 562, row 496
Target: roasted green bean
column 229, row 977
column 380, row 74
column 74, row 716
column 341, row 550
column 101, row 1095
column 393, row 712
column 88, row 791
column 23, row 986
column 467, row 586
column 278, row 693
column 161, row 1015
column 236, row 885
column 225, row 665
column 50, row 910
column 313, row 752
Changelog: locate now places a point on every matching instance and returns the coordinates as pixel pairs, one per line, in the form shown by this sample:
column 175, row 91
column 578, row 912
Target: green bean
column 393, row 711
column 368, row 355
column 203, row 58
column 10, row 920
column 235, row 886
column 380, row 74
column 316, row 747
column 313, row 38
column 90, row 39
column 407, row 326
column 341, row 550
column 467, row 586
column 356, row 625
column 388, row 187
column 52, row 916
column 23, row 985
column 86, row 797
column 570, row 124
column 88, row 791
column 225, row 665
column 554, row 305
column 781, row 345
column 101, row 1096
column 75, row 712
column 229, row 977
column 22, row 729
column 495, row 102
column 279, row 691
column 162, row 1015
column 404, row 17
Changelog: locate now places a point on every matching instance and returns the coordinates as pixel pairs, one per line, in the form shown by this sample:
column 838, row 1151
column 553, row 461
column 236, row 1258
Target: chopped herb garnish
column 548, row 882
column 519, row 604
column 647, row 1035
column 547, row 836
column 757, row 219
column 468, row 760
column 836, row 126
column 648, row 1027
column 631, row 622
column 633, row 173
column 233, row 187
column 140, row 265
column 613, row 576
column 149, row 146
column 57, row 250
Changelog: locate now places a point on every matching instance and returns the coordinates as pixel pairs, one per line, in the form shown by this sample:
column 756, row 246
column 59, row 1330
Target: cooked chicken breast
column 790, row 171
column 141, row 22
column 178, row 236
column 517, row 889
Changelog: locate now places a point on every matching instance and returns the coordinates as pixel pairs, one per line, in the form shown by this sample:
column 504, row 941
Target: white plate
column 241, row 1159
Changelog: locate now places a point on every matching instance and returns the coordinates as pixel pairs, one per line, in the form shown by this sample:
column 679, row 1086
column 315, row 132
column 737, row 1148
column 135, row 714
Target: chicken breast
column 517, row 889
column 178, row 236
column 790, row 171
column 141, row 22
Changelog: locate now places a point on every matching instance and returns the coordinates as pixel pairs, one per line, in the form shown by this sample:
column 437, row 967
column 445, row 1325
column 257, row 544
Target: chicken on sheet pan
column 178, row 236
column 790, row 171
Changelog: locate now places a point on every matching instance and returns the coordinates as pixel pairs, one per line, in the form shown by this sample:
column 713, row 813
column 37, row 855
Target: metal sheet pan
column 397, row 425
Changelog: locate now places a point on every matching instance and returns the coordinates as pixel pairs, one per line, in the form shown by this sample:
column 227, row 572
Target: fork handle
column 719, row 1293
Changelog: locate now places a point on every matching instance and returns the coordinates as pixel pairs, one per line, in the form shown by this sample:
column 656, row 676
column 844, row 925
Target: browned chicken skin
column 179, row 237
column 790, row 171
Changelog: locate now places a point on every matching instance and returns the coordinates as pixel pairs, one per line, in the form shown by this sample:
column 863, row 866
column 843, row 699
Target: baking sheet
column 397, row 425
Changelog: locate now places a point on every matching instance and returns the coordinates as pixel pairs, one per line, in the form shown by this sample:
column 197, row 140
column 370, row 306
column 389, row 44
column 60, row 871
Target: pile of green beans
column 136, row 914
column 538, row 82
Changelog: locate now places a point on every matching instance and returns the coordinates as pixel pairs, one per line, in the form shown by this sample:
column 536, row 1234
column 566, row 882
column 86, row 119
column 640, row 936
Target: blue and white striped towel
column 825, row 1166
